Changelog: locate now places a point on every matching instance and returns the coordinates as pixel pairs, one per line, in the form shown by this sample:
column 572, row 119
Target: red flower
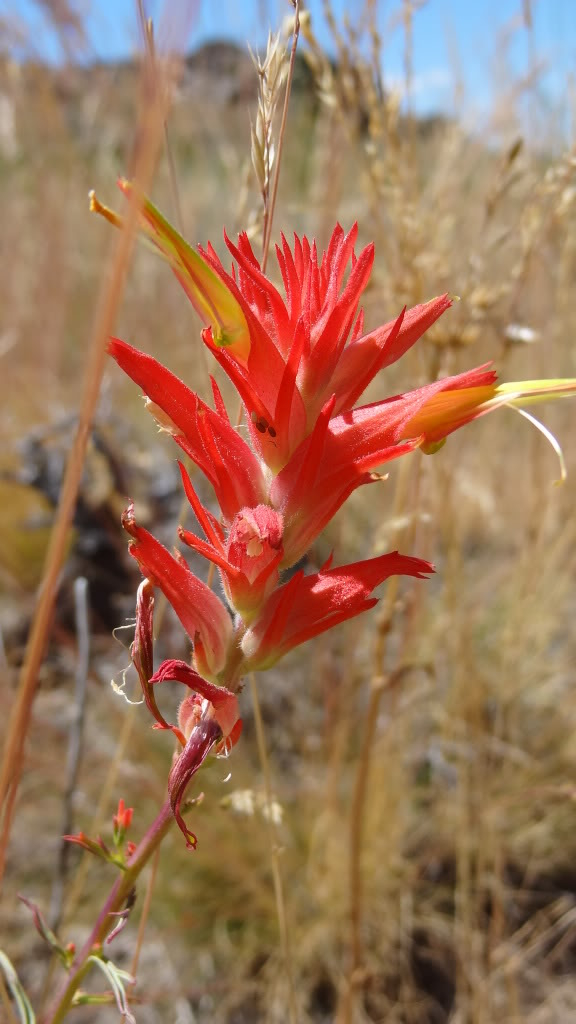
column 122, row 820
column 311, row 345
column 285, row 356
column 339, row 455
column 300, row 361
column 309, row 605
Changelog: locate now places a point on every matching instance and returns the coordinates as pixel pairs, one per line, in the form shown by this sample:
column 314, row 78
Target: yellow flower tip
column 215, row 304
column 235, row 338
column 524, row 392
column 454, row 298
column 445, row 411
column 97, row 207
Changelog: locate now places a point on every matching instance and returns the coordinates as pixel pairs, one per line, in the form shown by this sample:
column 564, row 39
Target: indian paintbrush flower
column 300, row 362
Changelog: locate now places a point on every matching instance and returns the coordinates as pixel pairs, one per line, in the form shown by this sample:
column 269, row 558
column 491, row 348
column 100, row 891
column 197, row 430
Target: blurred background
column 447, row 131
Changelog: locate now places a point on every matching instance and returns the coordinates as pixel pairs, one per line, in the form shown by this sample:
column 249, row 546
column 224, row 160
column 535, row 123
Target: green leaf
column 116, row 978
column 22, row 1003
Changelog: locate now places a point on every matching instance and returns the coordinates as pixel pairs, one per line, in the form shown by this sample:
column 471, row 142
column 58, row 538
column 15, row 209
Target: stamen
column 552, row 440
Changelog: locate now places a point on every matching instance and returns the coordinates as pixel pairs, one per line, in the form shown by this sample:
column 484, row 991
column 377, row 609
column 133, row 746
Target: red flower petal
column 201, row 613
column 363, row 359
column 210, row 440
column 309, row 605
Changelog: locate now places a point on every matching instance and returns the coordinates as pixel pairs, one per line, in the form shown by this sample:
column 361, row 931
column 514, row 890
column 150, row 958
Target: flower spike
column 300, row 359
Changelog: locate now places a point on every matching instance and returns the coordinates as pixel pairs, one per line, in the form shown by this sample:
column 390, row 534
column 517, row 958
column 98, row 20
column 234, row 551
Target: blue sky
column 451, row 37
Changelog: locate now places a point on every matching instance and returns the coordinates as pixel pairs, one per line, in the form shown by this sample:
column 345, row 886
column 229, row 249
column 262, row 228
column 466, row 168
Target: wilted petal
column 206, row 735
column 225, row 703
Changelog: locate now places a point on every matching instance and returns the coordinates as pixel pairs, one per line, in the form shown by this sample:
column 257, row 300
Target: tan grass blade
column 155, row 102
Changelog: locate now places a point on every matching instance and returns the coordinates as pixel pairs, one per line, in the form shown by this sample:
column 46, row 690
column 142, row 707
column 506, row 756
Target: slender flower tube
column 213, row 301
column 446, row 412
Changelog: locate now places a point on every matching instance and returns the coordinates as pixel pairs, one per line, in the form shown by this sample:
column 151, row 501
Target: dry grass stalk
column 272, row 72
column 149, row 141
column 275, row 70
column 275, row 852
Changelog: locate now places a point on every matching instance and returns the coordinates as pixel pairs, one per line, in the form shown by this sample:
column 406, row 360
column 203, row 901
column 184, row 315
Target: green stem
column 114, row 903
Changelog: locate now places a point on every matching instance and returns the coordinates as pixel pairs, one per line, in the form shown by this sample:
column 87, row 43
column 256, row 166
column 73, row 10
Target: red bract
column 123, row 817
column 248, row 558
column 342, row 452
column 309, row 605
column 307, row 363
column 206, row 436
column 202, row 614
